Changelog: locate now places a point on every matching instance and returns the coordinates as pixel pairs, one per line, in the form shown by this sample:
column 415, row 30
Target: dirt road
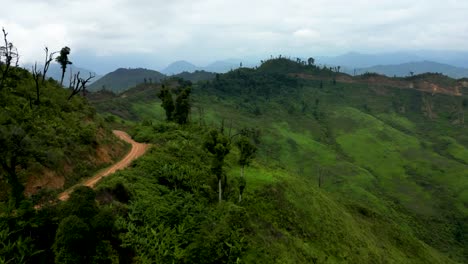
column 138, row 149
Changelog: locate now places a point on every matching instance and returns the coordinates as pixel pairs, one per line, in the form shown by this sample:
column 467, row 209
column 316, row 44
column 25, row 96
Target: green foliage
column 247, row 150
column 196, row 76
column 167, row 102
column 182, row 106
column 81, row 203
column 49, row 136
column 73, row 242
column 342, row 175
column 219, row 146
column 63, row 60
column 15, row 248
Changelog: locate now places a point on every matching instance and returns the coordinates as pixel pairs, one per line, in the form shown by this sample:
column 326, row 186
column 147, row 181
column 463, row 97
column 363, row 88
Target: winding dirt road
column 138, row 149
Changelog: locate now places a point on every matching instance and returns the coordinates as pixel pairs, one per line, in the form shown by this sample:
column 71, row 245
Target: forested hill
column 50, row 139
column 365, row 169
column 122, row 79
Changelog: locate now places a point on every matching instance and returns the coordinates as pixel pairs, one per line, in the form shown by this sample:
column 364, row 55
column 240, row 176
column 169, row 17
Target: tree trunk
column 61, row 80
column 17, row 188
column 220, row 191
column 242, row 176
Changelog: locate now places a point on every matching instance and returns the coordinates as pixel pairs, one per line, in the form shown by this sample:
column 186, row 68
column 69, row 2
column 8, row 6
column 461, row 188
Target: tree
column 310, row 61
column 167, row 102
column 48, row 59
column 36, row 76
column 218, row 146
column 15, row 149
column 182, row 106
column 81, row 203
column 247, row 152
column 63, row 60
column 8, row 54
column 78, row 84
column 73, row 241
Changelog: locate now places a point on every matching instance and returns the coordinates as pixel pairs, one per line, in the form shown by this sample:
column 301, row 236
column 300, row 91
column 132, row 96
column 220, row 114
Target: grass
column 393, row 185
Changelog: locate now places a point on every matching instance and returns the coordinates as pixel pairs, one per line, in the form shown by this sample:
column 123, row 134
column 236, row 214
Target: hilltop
column 121, row 79
column 179, row 67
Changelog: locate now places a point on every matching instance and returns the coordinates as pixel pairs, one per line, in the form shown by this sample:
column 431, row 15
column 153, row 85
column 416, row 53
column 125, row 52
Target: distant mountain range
column 221, row 66
column 123, row 79
column 361, row 60
column 405, row 69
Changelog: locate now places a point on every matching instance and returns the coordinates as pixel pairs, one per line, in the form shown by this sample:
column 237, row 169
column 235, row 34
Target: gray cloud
column 205, row 30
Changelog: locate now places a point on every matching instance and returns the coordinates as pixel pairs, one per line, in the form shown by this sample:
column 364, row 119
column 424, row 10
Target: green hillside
column 287, row 163
column 196, row 76
column 122, row 79
column 348, row 170
column 50, row 139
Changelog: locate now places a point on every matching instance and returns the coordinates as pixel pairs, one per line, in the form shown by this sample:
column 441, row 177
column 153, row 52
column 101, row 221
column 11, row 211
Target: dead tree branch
column 48, row 59
column 78, row 84
column 36, row 76
column 7, row 54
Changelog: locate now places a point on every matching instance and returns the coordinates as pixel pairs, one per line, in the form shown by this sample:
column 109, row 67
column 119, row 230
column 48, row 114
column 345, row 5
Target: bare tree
column 78, row 84
column 48, row 59
column 36, row 76
column 8, row 55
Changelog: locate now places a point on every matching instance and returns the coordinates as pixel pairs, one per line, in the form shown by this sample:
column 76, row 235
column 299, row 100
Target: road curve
column 138, row 149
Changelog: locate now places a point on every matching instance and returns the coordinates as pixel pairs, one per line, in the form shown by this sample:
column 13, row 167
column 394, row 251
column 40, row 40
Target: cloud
column 205, row 30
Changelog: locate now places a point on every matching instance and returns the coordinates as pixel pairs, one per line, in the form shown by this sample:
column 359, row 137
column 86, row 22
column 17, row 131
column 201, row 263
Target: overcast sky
column 206, row 30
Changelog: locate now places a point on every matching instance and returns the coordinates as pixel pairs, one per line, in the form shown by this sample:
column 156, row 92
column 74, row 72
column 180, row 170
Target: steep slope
column 122, row 79
column 49, row 142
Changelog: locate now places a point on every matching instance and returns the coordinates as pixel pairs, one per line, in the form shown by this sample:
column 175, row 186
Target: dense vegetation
column 287, row 163
column 354, row 172
column 49, row 140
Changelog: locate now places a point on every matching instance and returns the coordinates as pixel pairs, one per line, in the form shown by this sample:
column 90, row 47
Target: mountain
column 221, row 66
column 359, row 60
column 455, row 58
column 420, row 67
column 196, row 76
column 122, row 79
column 178, row 67
column 354, row 60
